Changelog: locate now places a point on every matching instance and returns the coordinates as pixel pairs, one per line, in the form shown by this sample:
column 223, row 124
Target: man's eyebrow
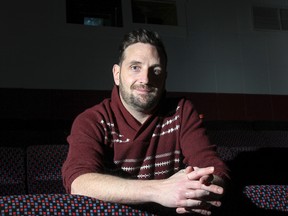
column 135, row 62
column 156, row 65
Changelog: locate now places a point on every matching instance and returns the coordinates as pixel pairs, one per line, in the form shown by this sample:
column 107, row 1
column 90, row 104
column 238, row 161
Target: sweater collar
column 121, row 112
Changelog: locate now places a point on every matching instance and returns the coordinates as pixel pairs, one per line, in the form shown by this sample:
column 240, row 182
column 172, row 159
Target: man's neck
column 141, row 117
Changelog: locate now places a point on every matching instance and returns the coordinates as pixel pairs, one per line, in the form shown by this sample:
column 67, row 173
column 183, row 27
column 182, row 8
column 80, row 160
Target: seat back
column 44, row 163
column 12, row 171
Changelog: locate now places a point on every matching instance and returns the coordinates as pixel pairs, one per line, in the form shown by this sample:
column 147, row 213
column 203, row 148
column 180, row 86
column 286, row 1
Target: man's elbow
column 76, row 187
column 80, row 185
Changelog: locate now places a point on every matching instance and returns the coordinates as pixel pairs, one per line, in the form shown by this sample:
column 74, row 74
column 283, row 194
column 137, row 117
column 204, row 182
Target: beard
column 140, row 102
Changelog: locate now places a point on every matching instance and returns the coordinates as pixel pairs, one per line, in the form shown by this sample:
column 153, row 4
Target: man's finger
column 198, row 173
column 207, row 179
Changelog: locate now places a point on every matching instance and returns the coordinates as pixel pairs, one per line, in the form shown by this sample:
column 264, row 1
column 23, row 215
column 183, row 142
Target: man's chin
column 145, row 106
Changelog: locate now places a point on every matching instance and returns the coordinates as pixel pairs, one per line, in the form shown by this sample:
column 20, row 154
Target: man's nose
column 144, row 76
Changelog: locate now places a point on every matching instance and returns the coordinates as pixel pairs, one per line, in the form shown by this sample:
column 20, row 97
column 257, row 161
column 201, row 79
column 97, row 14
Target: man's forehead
column 140, row 46
column 141, row 50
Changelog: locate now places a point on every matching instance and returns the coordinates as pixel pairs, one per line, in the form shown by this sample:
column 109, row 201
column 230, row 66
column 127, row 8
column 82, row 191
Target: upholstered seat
column 44, row 168
column 272, row 197
column 13, row 176
column 62, row 204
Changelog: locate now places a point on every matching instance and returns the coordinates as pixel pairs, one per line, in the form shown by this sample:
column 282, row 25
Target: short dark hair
column 142, row 36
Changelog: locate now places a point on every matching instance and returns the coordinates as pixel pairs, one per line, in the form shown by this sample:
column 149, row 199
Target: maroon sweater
column 108, row 139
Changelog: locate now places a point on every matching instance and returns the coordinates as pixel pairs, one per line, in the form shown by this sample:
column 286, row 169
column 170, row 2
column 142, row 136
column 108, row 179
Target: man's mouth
column 143, row 88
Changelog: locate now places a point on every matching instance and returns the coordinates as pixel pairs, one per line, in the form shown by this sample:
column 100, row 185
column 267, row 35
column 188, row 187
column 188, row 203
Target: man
column 140, row 147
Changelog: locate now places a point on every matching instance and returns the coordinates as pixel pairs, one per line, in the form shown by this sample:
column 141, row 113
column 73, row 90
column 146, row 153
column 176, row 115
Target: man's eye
column 135, row 68
column 157, row 71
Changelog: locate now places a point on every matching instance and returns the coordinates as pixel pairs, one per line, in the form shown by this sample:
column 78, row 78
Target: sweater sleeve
column 196, row 147
column 86, row 149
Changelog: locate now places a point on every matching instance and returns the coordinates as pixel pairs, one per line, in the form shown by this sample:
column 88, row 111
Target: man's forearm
column 180, row 190
column 114, row 189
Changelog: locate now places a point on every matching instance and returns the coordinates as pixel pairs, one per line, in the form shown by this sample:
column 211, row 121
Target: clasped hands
column 193, row 190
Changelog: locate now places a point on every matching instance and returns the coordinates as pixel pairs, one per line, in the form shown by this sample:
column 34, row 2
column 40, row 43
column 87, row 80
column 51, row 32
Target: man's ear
column 116, row 73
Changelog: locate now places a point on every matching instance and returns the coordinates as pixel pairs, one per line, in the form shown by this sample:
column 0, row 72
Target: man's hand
column 191, row 190
column 211, row 187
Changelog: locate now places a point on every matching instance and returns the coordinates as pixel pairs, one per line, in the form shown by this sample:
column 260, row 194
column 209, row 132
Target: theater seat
column 44, row 168
column 62, row 204
column 270, row 197
column 12, row 177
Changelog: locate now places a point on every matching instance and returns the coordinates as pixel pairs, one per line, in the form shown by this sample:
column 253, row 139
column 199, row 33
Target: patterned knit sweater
column 108, row 139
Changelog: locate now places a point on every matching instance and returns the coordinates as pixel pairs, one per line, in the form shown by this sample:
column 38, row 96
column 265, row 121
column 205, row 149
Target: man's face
column 141, row 77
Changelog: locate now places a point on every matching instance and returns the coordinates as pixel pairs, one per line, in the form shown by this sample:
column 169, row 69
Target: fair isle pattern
column 170, row 130
column 168, row 123
column 145, row 168
column 158, row 173
column 111, row 131
column 177, row 152
column 160, row 164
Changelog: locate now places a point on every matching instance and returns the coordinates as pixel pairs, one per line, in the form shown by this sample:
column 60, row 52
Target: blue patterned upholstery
column 13, row 176
column 272, row 197
column 62, row 204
